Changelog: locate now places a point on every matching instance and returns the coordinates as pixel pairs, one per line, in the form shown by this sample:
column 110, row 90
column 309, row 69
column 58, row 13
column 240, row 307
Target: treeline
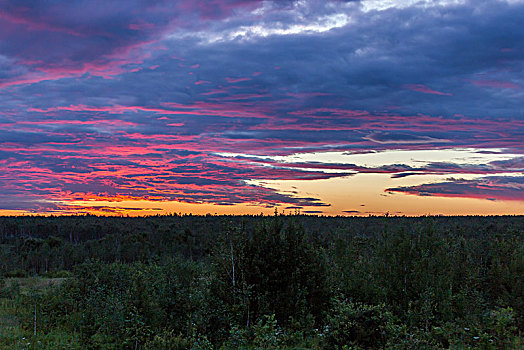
column 203, row 282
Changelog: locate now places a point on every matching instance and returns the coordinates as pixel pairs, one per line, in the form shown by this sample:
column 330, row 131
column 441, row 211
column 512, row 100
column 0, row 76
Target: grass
column 26, row 284
column 17, row 336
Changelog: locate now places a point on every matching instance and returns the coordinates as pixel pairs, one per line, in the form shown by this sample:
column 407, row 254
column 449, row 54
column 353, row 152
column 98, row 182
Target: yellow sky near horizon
column 361, row 194
column 358, row 194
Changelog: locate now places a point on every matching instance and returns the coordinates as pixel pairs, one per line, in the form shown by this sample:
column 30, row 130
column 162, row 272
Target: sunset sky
column 232, row 106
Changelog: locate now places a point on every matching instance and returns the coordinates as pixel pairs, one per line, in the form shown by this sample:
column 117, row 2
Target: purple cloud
column 137, row 99
column 490, row 187
column 425, row 89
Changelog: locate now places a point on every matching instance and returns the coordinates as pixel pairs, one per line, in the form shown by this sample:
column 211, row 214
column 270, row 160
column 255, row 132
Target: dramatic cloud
column 490, row 188
column 143, row 100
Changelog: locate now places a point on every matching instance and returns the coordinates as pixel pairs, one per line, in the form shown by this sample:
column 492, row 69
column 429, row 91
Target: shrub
column 357, row 324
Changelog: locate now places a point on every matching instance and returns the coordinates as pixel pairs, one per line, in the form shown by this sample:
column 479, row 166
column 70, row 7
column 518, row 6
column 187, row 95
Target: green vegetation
column 255, row 282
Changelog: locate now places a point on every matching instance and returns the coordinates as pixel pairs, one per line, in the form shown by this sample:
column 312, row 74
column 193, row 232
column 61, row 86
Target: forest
column 261, row 282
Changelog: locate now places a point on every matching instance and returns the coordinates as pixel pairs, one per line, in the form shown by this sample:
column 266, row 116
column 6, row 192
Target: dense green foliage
column 204, row 282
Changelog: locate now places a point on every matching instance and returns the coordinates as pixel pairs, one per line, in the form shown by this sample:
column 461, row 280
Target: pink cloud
column 37, row 25
column 236, row 80
column 106, row 68
column 212, row 10
column 141, row 26
column 425, row 89
column 306, row 94
column 500, row 84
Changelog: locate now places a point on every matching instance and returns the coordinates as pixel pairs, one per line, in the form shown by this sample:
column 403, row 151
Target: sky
column 331, row 107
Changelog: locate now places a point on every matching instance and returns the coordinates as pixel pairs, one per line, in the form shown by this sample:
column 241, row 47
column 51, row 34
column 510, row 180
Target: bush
column 17, row 273
column 357, row 324
column 167, row 339
column 58, row 274
column 268, row 334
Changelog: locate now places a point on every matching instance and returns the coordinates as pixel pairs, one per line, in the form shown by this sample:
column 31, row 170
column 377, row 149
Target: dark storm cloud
column 26, row 203
column 139, row 98
column 490, row 187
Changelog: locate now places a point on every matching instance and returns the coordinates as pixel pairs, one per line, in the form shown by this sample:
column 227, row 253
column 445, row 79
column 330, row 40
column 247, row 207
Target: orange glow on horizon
column 359, row 195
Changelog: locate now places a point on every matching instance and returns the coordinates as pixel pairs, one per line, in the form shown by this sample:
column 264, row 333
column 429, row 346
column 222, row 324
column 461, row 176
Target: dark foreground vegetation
column 219, row 282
